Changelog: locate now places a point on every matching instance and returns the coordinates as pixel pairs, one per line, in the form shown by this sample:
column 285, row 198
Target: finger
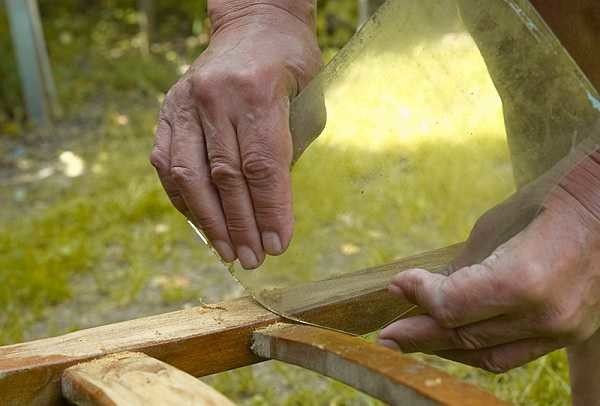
column 226, row 173
column 424, row 334
column 468, row 295
column 266, row 152
column 503, row 357
column 189, row 168
column 161, row 160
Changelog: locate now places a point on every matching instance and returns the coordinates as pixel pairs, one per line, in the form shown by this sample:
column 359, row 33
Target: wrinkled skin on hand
column 538, row 292
column 223, row 147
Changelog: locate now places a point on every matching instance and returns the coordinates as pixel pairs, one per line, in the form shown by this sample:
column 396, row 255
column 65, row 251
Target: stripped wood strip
column 200, row 341
column 387, row 375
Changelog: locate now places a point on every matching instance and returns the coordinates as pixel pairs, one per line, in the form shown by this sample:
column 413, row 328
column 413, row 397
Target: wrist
column 222, row 12
column 583, row 183
column 584, row 368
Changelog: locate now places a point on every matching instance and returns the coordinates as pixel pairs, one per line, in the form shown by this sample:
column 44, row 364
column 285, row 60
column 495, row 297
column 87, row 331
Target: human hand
column 223, row 148
column 538, row 292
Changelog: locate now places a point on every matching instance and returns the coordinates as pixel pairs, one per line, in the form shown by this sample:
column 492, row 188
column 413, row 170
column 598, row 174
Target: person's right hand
column 223, row 148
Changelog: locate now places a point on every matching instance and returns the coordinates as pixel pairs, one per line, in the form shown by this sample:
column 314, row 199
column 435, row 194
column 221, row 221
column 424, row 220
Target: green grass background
column 107, row 245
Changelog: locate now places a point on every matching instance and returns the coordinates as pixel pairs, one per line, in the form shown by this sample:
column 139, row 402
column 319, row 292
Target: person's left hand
column 536, row 293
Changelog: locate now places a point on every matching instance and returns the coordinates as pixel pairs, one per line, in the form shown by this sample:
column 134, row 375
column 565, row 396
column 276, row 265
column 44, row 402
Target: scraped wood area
column 385, row 374
column 200, row 341
column 135, row 379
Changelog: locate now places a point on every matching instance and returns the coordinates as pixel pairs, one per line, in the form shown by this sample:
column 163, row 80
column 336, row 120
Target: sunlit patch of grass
column 115, row 223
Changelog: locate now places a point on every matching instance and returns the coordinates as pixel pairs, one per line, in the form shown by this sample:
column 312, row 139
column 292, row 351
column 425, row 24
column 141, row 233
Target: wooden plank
column 200, row 341
column 385, row 374
column 135, row 379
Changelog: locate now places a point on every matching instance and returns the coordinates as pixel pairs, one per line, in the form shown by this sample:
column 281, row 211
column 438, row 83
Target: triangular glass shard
column 436, row 111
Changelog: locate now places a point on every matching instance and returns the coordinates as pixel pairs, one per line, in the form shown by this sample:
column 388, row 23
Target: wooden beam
column 200, row 341
column 384, row 374
column 130, row 379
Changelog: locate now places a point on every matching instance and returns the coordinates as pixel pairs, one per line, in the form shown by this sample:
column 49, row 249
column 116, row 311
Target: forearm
column 584, row 368
column 583, row 183
column 222, row 11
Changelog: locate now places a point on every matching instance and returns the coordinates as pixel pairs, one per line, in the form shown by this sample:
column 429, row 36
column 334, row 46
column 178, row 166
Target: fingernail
column 224, row 250
column 391, row 344
column 247, row 257
column 271, row 243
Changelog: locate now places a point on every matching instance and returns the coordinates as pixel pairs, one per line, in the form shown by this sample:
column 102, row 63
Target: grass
column 106, row 245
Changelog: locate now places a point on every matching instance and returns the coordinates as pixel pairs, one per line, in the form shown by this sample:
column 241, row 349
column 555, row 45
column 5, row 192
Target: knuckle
column 204, row 86
column 466, row 340
column 158, row 160
column 445, row 316
column 491, row 363
column 225, row 174
column 566, row 325
column 180, row 92
column 259, row 167
column 238, row 225
column 182, row 176
column 271, row 212
column 532, row 287
column 251, row 81
column 408, row 344
column 444, row 311
column 207, row 222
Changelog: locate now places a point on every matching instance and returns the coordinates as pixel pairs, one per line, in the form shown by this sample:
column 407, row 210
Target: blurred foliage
column 93, row 34
column 115, row 229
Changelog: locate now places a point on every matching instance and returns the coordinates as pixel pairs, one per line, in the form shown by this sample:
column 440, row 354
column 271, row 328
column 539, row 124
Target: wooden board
column 135, row 379
column 200, row 341
column 385, row 374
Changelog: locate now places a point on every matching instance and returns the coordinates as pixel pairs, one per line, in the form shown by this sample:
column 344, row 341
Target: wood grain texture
column 135, row 379
column 385, row 374
column 200, row 341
